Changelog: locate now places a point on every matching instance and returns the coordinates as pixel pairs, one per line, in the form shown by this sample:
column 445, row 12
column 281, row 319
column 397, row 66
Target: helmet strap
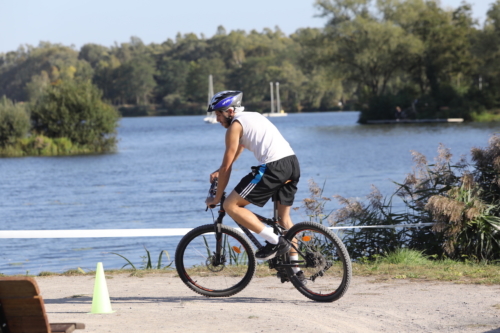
column 229, row 118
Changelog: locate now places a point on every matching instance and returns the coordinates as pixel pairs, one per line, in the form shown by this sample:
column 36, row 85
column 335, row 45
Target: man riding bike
column 278, row 170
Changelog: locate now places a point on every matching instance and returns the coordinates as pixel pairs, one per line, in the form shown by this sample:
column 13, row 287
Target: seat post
column 275, row 209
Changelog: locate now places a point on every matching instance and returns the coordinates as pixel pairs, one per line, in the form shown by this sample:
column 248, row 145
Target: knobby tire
column 327, row 268
column 194, row 260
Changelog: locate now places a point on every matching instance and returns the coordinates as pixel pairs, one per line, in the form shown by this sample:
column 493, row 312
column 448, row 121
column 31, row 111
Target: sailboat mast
column 272, row 97
column 278, row 102
column 210, row 88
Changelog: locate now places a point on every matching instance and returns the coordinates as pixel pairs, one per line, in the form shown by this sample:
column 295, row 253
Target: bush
column 39, row 145
column 462, row 199
column 403, row 256
column 14, row 122
column 75, row 110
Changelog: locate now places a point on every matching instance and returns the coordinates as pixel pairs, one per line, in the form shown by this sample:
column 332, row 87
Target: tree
column 486, row 48
column 197, row 78
column 366, row 50
column 446, row 38
column 171, row 77
column 75, row 110
column 93, row 53
column 135, row 79
column 251, row 78
column 14, row 121
column 58, row 61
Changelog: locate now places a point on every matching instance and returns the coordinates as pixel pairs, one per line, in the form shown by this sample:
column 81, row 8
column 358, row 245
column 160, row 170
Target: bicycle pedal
column 283, row 278
column 299, row 277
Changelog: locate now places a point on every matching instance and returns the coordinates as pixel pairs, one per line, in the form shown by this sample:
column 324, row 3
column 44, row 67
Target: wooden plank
column 26, row 315
column 14, row 287
column 28, row 325
column 23, row 307
column 65, row 327
column 24, row 310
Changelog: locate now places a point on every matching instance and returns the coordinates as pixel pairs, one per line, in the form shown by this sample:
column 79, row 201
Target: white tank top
column 262, row 138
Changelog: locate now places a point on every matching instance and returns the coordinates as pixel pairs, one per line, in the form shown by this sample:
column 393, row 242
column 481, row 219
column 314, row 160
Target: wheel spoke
column 325, row 264
column 233, row 273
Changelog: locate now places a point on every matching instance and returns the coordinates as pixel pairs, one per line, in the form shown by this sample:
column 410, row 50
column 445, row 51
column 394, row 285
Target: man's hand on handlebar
column 211, row 202
column 214, row 175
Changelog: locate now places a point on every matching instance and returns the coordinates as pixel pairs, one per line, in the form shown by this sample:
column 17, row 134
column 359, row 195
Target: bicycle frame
column 222, row 272
column 272, row 222
column 275, row 263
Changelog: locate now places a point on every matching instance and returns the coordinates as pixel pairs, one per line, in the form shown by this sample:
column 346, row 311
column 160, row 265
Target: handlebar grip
column 213, row 191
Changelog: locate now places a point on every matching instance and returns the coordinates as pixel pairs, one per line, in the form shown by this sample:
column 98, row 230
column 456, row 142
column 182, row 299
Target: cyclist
column 278, row 170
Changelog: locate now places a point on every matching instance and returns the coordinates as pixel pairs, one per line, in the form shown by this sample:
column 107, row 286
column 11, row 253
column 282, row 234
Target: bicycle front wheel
column 210, row 273
column 323, row 260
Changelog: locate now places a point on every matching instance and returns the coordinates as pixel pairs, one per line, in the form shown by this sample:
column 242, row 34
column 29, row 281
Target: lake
column 159, row 179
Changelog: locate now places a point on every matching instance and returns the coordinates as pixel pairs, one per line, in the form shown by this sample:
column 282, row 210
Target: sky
column 106, row 22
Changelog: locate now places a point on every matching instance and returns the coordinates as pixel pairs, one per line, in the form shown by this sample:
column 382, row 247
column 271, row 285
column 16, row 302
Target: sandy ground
column 162, row 303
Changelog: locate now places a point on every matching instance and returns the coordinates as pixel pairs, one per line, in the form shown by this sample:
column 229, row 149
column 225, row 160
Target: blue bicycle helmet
column 224, row 100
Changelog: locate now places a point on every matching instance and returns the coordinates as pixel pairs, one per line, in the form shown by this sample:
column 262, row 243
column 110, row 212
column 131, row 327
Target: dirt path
column 161, row 303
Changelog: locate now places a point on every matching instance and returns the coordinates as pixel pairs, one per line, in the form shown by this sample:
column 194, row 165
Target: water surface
column 159, row 179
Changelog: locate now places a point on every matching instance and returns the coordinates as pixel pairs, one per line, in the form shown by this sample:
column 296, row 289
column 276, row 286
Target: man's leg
column 235, row 207
column 286, row 222
column 284, row 216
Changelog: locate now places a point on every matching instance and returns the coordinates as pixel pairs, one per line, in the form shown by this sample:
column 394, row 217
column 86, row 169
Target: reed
column 462, row 199
column 147, row 262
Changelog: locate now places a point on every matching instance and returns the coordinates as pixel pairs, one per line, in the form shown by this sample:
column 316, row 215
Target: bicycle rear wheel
column 197, row 265
column 323, row 260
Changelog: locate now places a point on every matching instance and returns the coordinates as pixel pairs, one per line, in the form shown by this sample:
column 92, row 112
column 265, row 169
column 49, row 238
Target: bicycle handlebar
column 213, row 190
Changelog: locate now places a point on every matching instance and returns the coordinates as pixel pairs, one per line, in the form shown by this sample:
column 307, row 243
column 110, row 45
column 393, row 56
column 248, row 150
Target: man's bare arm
column 215, row 174
column 233, row 151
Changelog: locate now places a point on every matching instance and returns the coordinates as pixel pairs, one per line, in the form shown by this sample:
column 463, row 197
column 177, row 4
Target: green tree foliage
column 48, row 62
column 371, row 55
column 134, row 80
column 75, row 110
column 446, row 58
column 171, row 77
column 486, row 49
column 196, row 80
column 368, row 50
column 14, row 121
column 396, row 48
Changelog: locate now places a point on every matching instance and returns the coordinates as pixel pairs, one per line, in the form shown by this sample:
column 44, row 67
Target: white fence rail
column 107, row 233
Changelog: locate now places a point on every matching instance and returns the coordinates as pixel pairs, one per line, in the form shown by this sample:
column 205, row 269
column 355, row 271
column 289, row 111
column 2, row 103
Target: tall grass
column 403, row 256
column 147, row 262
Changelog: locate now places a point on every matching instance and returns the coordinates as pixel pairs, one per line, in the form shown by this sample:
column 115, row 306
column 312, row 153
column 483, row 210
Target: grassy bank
column 437, row 271
column 44, row 146
column 489, row 116
column 432, row 271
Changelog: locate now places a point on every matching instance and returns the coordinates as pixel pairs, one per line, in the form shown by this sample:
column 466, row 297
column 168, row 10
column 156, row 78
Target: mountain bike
column 216, row 260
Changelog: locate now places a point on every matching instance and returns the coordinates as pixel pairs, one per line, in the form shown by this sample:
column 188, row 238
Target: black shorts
column 265, row 180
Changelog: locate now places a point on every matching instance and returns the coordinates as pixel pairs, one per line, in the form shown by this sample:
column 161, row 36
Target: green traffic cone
column 100, row 300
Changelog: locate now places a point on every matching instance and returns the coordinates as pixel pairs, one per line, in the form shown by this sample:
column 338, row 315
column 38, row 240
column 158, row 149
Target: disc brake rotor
column 210, row 263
